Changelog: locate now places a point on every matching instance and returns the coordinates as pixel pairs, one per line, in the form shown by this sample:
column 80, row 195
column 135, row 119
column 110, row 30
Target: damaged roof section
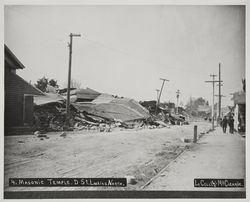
column 82, row 95
column 123, row 109
column 48, row 98
column 105, row 106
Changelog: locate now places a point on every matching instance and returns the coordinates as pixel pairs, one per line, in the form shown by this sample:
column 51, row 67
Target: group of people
column 228, row 121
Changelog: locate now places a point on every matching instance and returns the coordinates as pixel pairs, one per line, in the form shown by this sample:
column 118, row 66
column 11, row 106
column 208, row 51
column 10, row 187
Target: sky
column 125, row 50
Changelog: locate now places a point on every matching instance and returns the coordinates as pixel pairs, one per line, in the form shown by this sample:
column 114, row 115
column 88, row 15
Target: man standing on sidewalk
column 231, row 124
column 224, row 124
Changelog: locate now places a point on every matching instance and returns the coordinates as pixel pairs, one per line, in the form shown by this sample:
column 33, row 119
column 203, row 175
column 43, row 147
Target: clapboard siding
column 15, row 89
column 13, row 101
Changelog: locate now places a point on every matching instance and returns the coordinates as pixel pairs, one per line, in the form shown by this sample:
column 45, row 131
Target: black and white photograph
column 124, row 101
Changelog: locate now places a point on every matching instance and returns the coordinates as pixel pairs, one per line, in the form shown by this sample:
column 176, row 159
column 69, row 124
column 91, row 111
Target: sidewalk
column 216, row 155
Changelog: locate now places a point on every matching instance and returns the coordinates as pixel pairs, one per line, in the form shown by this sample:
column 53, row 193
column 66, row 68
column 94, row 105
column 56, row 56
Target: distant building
column 204, row 110
column 18, row 111
column 239, row 111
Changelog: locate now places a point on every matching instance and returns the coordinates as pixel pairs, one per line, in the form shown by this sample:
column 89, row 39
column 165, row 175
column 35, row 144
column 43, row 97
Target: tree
column 41, row 84
column 53, row 83
column 199, row 101
column 194, row 103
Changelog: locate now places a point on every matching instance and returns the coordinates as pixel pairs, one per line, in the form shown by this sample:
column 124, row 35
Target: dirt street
column 139, row 153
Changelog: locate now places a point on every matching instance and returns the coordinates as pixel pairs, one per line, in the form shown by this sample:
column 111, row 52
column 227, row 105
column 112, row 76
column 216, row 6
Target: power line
column 136, row 57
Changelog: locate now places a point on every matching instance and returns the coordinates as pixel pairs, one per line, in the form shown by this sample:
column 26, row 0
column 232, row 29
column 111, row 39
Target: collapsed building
column 91, row 110
column 111, row 108
column 166, row 112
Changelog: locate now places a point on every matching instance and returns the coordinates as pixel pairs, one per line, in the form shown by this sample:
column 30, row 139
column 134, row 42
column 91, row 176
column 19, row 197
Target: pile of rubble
column 104, row 114
column 44, row 117
column 166, row 113
column 52, row 117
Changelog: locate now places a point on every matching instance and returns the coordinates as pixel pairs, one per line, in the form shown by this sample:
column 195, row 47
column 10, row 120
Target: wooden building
column 18, row 109
column 239, row 111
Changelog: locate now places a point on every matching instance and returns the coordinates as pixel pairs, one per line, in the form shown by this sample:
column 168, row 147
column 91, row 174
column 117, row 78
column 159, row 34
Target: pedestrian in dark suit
column 231, row 124
column 224, row 124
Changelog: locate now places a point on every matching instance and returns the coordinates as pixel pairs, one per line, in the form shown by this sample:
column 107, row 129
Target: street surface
column 138, row 153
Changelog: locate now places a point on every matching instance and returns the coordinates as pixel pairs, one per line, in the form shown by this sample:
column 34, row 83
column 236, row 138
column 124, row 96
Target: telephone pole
column 220, row 84
column 156, row 104
column 191, row 108
column 219, row 103
column 69, row 77
column 213, row 81
column 177, row 96
column 163, row 81
column 157, row 94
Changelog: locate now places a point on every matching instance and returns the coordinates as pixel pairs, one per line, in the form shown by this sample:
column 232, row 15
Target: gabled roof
column 21, row 85
column 11, row 60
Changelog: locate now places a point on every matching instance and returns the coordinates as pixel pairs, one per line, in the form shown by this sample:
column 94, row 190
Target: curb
column 177, row 157
column 158, row 174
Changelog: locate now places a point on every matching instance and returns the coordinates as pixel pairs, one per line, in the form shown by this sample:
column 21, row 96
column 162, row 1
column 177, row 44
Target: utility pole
column 177, row 96
column 157, row 95
column 219, row 108
column 191, row 108
column 219, row 113
column 69, row 77
column 156, row 104
column 163, row 81
column 213, row 81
